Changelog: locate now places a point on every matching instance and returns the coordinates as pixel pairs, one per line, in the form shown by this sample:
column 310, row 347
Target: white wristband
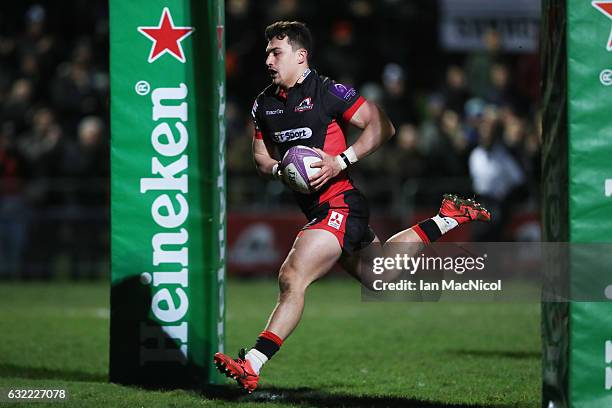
column 346, row 157
column 350, row 154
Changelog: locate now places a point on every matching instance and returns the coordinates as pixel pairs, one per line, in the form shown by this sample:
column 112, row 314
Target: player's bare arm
column 377, row 129
column 266, row 165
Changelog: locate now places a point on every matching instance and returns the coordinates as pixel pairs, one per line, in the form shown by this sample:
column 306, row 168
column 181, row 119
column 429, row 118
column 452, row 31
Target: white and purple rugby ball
column 296, row 168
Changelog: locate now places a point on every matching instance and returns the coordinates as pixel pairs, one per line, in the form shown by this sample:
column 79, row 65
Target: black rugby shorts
column 347, row 216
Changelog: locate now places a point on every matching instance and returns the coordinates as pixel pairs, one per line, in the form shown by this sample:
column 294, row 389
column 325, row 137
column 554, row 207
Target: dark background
column 467, row 123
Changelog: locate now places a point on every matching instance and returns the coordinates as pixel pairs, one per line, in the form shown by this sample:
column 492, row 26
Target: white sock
column 445, row 223
column 256, row 358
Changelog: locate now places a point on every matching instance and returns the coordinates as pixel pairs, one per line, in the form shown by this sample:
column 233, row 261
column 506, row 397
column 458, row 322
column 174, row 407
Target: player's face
column 283, row 62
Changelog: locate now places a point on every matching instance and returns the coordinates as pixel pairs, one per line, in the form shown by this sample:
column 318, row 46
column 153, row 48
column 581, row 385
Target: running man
column 301, row 107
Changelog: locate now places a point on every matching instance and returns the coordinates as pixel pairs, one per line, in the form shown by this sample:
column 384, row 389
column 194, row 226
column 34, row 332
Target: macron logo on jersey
column 292, row 134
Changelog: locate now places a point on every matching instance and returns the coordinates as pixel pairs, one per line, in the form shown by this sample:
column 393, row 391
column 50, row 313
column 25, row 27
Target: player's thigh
column 359, row 262
column 314, row 253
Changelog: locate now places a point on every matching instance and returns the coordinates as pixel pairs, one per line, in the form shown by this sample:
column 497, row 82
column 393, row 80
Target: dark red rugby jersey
column 314, row 113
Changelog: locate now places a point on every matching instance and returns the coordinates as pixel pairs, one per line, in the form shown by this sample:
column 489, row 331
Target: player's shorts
column 346, row 216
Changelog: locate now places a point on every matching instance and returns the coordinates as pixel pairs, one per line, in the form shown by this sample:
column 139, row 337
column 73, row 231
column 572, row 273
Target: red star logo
column 606, row 8
column 166, row 37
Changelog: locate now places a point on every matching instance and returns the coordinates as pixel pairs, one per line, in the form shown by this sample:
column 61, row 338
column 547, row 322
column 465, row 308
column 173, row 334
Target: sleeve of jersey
column 257, row 134
column 342, row 101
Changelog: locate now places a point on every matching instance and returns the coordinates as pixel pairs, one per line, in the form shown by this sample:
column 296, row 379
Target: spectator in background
column 44, row 150
column 18, row 102
column 283, row 9
column 455, row 91
column 405, row 160
column 397, row 101
column 500, row 92
column 495, row 175
column 40, row 152
column 527, row 79
column 430, row 129
column 14, row 208
column 473, row 110
column 513, row 135
column 88, row 168
column 7, row 70
column 445, row 147
column 533, row 141
column 451, row 150
column 341, row 57
column 37, row 48
column 404, row 165
column 241, row 38
column 478, row 64
column 521, row 139
column 372, row 92
column 240, row 147
column 73, row 90
column 239, row 165
column 29, row 68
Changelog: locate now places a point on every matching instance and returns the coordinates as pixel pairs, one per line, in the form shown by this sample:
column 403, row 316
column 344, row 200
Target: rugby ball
column 296, row 168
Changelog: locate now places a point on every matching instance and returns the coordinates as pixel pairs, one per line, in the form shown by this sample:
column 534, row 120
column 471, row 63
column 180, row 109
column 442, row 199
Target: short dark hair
column 297, row 33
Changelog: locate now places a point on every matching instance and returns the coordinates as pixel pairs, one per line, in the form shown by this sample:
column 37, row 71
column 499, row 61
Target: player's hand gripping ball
column 296, row 168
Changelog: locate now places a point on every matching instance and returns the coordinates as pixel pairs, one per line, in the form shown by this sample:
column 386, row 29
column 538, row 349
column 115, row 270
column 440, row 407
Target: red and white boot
column 239, row 369
column 463, row 210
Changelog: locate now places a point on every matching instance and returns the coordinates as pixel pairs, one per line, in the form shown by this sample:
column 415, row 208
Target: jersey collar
column 302, row 78
column 281, row 93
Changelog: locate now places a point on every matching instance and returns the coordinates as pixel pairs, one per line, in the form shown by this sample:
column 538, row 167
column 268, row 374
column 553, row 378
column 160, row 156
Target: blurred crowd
column 54, row 162
column 466, row 123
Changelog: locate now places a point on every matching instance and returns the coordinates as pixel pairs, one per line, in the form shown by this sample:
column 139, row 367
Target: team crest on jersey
column 335, row 220
column 305, row 105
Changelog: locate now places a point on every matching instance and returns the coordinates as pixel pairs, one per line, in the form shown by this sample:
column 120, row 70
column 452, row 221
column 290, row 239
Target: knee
column 290, row 281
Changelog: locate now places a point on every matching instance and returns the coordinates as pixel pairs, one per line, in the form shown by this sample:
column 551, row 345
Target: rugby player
column 302, row 107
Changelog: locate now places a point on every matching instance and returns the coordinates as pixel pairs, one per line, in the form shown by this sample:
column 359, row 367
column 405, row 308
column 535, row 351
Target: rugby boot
column 238, row 369
column 463, row 209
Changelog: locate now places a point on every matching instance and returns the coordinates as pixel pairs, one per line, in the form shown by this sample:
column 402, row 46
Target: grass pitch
column 344, row 353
